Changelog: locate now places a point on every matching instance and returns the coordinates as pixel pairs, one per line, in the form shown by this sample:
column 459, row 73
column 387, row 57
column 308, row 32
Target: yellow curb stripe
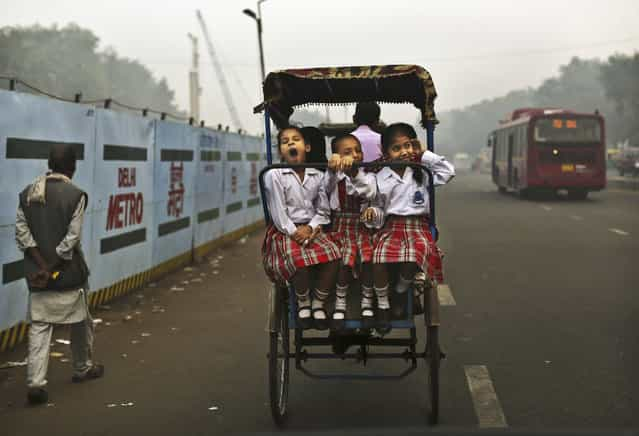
column 16, row 334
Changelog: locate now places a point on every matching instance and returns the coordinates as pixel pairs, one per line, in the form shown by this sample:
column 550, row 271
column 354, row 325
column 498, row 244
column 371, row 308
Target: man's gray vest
column 49, row 224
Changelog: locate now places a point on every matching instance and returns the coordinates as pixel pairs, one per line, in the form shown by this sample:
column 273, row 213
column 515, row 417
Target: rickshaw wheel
column 433, row 360
column 433, row 353
column 278, row 362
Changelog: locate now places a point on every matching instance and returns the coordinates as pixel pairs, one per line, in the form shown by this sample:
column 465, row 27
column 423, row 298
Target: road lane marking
column 546, row 208
column 445, row 295
column 619, row 232
column 487, row 407
column 577, row 217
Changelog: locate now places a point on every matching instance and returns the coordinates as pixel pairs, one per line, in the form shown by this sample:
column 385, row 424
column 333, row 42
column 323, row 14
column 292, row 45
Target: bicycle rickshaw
column 283, row 91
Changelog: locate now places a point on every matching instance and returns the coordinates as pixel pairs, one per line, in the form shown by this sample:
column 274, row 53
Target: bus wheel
column 578, row 194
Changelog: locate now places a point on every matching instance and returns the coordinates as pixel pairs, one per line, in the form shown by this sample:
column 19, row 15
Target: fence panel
column 174, row 185
column 28, row 126
column 123, row 221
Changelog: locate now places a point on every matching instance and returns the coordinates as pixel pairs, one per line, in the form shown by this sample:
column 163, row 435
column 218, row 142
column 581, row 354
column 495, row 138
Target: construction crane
column 235, row 119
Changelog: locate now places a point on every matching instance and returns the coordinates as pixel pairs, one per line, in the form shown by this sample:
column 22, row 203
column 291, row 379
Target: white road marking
column 619, row 232
column 577, row 217
column 546, row 208
column 445, row 295
column 487, row 407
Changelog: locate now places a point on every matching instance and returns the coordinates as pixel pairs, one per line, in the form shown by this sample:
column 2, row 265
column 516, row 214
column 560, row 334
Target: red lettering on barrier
column 125, row 210
column 175, row 204
column 126, row 177
column 139, row 208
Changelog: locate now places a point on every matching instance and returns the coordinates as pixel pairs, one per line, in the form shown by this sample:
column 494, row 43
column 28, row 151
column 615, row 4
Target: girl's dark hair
column 315, row 138
column 401, row 129
column 279, row 134
column 336, row 140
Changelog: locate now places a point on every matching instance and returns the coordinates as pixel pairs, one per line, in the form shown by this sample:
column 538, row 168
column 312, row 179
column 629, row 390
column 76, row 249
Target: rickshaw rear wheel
column 433, row 360
column 278, row 362
column 433, row 354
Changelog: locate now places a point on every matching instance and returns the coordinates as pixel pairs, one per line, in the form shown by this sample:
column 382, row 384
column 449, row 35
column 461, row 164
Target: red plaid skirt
column 282, row 256
column 408, row 239
column 352, row 238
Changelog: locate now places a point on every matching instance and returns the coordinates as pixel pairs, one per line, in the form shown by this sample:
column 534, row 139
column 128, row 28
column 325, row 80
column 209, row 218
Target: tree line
column 67, row 60
column 611, row 87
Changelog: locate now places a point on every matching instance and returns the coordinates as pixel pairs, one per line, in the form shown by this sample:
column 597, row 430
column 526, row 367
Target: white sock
column 340, row 301
column 318, row 303
column 403, row 284
column 367, row 301
column 382, row 297
column 303, row 303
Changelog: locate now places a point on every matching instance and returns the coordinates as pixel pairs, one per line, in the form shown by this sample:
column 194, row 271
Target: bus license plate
column 567, row 168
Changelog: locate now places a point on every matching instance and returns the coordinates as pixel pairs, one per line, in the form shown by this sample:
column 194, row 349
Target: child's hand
column 303, row 234
column 316, row 232
column 369, row 215
column 334, row 162
column 346, row 163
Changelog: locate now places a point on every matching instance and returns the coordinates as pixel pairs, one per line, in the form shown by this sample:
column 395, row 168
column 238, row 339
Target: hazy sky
column 473, row 49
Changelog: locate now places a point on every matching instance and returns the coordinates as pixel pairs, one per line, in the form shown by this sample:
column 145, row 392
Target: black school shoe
column 383, row 318
column 96, row 371
column 37, row 396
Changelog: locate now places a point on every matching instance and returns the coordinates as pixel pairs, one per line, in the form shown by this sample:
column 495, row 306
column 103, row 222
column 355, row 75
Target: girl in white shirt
column 294, row 242
column 347, row 199
column 402, row 197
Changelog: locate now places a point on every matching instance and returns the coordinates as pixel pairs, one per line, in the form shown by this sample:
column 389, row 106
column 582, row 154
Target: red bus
column 549, row 150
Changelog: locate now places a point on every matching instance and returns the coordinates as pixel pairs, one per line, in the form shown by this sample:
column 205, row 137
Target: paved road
column 546, row 306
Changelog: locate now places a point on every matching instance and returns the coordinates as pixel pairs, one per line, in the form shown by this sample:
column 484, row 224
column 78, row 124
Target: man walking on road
column 366, row 117
column 48, row 231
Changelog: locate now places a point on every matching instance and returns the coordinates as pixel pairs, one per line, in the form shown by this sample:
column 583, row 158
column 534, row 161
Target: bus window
column 570, row 130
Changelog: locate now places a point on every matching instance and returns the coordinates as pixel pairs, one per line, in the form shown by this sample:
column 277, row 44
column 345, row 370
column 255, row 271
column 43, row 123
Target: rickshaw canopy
column 286, row 89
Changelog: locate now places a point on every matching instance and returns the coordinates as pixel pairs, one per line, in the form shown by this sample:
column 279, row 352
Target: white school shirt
column 291, row 200
column 397, row 195
column 363, row 185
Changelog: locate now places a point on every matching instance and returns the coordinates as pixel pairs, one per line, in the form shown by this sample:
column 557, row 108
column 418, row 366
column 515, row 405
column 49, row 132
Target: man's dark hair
column 62, row 158
column 339, row 138
column 367, row 113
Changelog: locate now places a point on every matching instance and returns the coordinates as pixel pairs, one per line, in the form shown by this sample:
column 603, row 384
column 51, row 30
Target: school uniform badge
column 418, row 198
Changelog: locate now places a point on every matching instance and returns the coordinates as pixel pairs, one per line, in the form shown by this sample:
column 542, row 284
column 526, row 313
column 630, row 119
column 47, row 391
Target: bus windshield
column 567, row 130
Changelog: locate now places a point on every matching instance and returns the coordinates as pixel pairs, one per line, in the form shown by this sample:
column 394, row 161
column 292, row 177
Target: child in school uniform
column 294, row 242
column 434, row 262
column 348, row 197
column 402, row 197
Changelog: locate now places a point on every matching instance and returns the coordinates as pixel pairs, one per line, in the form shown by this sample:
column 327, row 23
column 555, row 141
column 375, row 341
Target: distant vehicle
column 549, row 150
column 627, row 161
column 462, row 162
column 482, row 162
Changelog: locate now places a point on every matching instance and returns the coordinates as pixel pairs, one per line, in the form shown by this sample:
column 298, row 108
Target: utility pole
column 258, row 19
column 194, row 81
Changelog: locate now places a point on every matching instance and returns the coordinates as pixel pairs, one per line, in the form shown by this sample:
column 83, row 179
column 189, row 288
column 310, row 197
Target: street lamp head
column 250, row 13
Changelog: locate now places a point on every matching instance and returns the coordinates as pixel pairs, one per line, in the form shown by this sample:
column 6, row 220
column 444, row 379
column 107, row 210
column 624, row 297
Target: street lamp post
column 258, row 19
